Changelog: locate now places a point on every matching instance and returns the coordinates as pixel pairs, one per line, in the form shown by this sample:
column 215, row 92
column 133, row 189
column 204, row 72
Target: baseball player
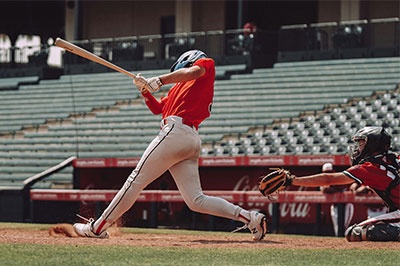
column 374, row 166
column 176, row 148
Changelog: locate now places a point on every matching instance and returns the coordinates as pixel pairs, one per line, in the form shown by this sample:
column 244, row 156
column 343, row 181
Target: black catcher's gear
column 377, row 140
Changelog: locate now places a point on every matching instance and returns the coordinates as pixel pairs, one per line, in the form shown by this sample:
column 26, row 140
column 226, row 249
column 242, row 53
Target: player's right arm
column 322, row 179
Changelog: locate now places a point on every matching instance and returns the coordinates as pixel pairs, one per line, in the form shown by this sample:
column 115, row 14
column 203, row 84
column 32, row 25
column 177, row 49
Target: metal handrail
column 29, row 182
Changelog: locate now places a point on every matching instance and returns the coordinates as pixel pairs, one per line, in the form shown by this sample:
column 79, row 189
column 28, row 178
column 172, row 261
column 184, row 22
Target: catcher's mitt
column 275, row 181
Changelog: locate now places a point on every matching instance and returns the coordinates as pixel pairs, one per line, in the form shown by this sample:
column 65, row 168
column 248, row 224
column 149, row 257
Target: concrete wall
column 380, row 9
column 208, row 15
column 124, row 18
column 345, row 10
column 114, row 18
column 69, row 21
column 349, row 10
column 328, row 11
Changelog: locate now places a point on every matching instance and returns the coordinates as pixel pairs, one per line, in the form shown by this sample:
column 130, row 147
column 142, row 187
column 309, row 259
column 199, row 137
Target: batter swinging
column 176, row 148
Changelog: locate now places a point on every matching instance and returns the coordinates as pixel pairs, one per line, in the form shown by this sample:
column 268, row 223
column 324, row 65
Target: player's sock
column 244, row 216
column 100, row 225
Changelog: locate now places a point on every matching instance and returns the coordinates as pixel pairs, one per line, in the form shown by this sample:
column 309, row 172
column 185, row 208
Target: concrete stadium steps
column 75, row 93
column 19, row 184
column 319, row 72
column 13, row 174
column 13, row 83
column 73, row 147
column 261, row 83
column 359, row 62
column 63, row 155
column 73, row 140
column 209, row 137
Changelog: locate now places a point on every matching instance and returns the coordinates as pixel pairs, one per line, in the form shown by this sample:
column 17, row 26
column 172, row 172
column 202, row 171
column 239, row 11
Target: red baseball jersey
column 376, row 176
column 190, row 100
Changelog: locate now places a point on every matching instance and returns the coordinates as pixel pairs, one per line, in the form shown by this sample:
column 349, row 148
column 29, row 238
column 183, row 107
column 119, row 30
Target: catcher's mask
column 187, row 59
column 367, row 142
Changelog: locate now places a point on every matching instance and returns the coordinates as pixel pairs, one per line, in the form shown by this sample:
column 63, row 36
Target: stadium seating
column 13, row 83
column 292, row 108
column 329, row 131
column 332, row 90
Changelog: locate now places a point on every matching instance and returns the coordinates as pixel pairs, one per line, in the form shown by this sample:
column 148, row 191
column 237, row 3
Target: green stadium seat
column 13, row 83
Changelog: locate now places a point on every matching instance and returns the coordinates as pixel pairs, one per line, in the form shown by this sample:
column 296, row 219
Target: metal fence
column 217, row 43
column 23, row 55
column 370, row 38
column 370, row 35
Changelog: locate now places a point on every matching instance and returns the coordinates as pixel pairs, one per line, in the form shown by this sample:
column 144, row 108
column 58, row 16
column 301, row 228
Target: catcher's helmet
column 375, row 140
column 187, row 59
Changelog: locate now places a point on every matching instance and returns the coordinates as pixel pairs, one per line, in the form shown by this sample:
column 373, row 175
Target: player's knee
column 373, row 232
column 195, row 204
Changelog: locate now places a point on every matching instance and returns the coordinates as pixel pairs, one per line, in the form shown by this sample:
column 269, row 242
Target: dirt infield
column 234, row 240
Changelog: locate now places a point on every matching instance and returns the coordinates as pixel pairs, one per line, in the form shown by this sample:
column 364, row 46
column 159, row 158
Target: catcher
column 372, row 165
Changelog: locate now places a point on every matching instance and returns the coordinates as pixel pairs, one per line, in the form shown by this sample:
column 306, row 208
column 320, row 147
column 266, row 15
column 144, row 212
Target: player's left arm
column 322, row 179
column 152, row 103
column 183, row 74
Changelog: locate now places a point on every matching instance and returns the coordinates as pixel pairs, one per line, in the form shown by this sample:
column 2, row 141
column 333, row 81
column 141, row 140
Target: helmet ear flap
column 173, row 66
column 176, row 63
column 385, row 139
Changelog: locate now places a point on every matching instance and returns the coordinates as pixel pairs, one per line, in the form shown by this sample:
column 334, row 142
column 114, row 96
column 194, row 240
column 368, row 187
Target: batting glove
column 140, row 83
column 154, row 84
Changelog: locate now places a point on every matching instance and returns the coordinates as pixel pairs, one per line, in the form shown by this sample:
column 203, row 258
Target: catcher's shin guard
column 373, row 232
column 355, row 233
column 383, row 232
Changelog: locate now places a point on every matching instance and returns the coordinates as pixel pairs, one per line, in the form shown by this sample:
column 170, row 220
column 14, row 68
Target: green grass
column 34, row 254
column 27, row 254
column 24, row 226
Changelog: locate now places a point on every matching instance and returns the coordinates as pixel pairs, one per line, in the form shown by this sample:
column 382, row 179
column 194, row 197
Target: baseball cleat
column 257, row 225
column 86, row 230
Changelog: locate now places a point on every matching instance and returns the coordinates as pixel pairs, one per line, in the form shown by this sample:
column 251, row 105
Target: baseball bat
column 88, row 55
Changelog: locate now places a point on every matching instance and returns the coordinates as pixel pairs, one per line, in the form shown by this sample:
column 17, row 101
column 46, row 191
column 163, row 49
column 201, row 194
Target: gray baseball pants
column 177, row 149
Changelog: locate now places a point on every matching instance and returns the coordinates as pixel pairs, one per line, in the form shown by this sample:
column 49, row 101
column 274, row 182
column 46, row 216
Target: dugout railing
column 15, row 202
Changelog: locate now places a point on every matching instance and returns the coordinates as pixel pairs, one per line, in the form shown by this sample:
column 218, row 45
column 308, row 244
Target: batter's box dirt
column 62, row 234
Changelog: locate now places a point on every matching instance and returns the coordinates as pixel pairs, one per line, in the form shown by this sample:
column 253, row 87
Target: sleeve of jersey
column 207, row 63
column 152, row 103
column 359, row 173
